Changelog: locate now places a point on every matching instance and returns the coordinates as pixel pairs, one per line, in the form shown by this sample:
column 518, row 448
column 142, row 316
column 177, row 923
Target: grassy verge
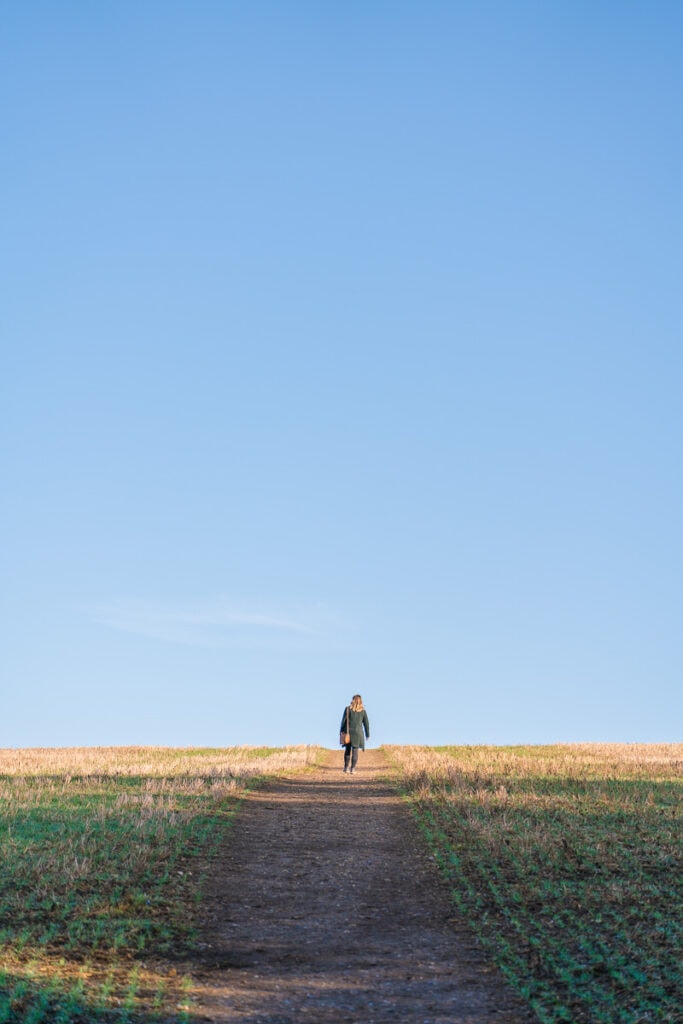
column 567, row 862
column 100, row 857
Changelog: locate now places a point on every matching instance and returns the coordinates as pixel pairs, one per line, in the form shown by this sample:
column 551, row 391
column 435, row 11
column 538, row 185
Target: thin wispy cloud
column 214, row 623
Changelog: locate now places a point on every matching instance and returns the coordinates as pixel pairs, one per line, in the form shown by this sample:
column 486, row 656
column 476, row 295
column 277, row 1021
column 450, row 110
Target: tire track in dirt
column 324, row 905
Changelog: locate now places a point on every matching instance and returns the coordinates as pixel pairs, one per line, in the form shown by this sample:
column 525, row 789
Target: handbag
column 345, row 737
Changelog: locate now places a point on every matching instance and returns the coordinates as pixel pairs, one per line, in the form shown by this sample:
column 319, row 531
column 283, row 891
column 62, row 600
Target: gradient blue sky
column 342, row 352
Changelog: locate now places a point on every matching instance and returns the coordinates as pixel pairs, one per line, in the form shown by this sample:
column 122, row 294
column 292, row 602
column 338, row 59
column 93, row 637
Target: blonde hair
column 357, row 703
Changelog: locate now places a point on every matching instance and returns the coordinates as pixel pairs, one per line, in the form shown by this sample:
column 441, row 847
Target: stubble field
column 101, row 854
column 567, row 862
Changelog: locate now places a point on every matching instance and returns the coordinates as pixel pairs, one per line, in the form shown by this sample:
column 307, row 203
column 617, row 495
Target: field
column 100, row 854
column 567, row 862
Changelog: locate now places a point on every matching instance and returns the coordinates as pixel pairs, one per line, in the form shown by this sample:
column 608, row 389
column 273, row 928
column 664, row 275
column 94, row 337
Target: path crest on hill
column 324, row 905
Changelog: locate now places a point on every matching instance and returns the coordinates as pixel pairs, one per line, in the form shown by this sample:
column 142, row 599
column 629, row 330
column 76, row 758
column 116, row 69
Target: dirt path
column 324, row 906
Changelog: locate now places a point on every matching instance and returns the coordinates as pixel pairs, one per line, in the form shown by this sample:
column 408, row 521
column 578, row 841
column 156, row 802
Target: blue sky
column 341, row 353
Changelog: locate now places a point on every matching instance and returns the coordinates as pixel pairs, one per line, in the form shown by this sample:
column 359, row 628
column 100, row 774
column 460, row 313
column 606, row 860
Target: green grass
column 567, row 862
column 101, row 858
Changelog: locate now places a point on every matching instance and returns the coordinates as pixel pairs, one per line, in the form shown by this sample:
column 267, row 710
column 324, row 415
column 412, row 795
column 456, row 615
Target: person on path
column 356, row 725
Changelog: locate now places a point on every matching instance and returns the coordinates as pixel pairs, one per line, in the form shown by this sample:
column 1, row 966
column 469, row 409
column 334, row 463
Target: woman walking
column 355, row 726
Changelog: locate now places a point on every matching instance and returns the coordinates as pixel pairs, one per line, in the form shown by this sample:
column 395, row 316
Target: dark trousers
column 350, row 753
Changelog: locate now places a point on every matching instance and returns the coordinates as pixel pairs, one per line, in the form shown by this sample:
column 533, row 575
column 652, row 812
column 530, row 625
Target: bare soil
column 324, row 905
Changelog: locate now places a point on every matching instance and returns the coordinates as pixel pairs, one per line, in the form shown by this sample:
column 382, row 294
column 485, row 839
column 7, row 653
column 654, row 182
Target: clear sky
column 342, row 353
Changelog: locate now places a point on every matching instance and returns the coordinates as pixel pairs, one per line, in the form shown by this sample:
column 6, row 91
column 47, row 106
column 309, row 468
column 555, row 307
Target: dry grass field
column 567, row 862
column 100, row 854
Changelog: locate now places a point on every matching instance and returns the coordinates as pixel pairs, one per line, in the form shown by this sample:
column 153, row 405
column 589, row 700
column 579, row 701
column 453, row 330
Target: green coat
column 358, row 721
